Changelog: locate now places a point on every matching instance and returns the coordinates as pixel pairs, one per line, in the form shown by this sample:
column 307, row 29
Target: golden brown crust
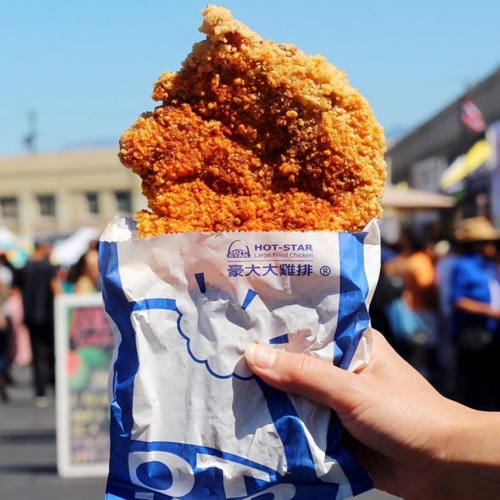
column 255, row 136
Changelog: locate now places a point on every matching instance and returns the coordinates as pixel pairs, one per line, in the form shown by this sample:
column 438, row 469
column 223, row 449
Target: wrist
column 469, row 462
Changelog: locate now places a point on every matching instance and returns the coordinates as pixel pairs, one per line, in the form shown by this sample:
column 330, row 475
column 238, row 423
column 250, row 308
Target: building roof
column 98, row 168
column 444, row 134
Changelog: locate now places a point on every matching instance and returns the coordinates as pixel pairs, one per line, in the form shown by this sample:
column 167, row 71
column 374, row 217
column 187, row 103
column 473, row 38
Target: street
column 28, row 459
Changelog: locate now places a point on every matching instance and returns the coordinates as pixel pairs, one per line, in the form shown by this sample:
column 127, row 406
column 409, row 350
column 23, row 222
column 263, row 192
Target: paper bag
column 189, row 420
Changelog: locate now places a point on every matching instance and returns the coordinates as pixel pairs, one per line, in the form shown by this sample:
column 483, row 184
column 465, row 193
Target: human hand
column 414, row 442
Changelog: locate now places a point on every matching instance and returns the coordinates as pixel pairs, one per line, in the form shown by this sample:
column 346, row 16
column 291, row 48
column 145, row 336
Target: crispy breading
column 255, row 136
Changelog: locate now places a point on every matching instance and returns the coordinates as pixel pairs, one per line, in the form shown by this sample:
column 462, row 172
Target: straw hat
column 476, row 229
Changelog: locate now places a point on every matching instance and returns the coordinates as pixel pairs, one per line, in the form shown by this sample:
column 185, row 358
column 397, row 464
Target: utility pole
column 30, row 138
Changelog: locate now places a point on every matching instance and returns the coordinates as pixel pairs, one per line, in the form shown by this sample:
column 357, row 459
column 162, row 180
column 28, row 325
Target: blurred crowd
column 438, row 303
column 27, row 324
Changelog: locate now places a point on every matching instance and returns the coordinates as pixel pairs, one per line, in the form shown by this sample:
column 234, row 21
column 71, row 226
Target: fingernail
column 260, row 356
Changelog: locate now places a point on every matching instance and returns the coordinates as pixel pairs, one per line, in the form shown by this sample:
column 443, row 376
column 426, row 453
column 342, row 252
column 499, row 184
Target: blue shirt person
column 476, row 300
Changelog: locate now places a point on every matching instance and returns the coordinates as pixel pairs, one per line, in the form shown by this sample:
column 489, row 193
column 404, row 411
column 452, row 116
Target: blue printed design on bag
column 170, row 305
column 166, row 470
column 353, row 311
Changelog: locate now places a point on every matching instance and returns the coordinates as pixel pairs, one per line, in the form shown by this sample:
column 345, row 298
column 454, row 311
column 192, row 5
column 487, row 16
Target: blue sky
column 87, row 67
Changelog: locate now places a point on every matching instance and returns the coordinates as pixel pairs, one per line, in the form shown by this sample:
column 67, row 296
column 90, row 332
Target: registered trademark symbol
column 325, row 271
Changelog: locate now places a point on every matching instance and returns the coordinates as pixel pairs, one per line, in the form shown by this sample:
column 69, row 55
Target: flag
column 471, row 116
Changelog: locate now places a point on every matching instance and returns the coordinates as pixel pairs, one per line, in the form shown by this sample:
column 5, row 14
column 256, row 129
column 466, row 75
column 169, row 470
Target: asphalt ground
column 28, row 457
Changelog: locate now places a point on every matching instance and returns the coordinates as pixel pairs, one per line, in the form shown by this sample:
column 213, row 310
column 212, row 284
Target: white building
column 54, row 194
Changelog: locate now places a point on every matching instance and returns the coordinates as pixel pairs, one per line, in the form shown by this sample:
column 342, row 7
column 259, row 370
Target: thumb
column 304, row 375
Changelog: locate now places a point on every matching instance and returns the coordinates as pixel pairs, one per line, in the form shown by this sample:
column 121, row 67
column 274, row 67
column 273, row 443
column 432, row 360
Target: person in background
column 446, row 256
column 21, row 344
column 84, row 275
column 389, row 288
column 6, row 279
column 414, row 263
column 38, row 285
column 475, row 296
column 420, row 291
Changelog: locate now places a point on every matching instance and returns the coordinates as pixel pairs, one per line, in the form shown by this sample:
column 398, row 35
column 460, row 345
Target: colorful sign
column 84, row 344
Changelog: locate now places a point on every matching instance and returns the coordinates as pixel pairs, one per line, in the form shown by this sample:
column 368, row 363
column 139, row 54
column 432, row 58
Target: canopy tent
column 7, row 239
column 16, row 249
column 67, row 252
column 409, row 198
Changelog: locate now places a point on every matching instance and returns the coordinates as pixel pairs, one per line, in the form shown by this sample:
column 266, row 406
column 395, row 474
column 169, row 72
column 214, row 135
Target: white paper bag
column 189, row 420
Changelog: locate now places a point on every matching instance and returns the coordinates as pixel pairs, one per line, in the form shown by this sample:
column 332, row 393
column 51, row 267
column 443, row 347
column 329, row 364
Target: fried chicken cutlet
column 252, row 135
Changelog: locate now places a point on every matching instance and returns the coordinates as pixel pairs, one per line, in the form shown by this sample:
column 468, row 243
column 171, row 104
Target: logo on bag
column 238, row 249
column 278, row 259
column 177, row 473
